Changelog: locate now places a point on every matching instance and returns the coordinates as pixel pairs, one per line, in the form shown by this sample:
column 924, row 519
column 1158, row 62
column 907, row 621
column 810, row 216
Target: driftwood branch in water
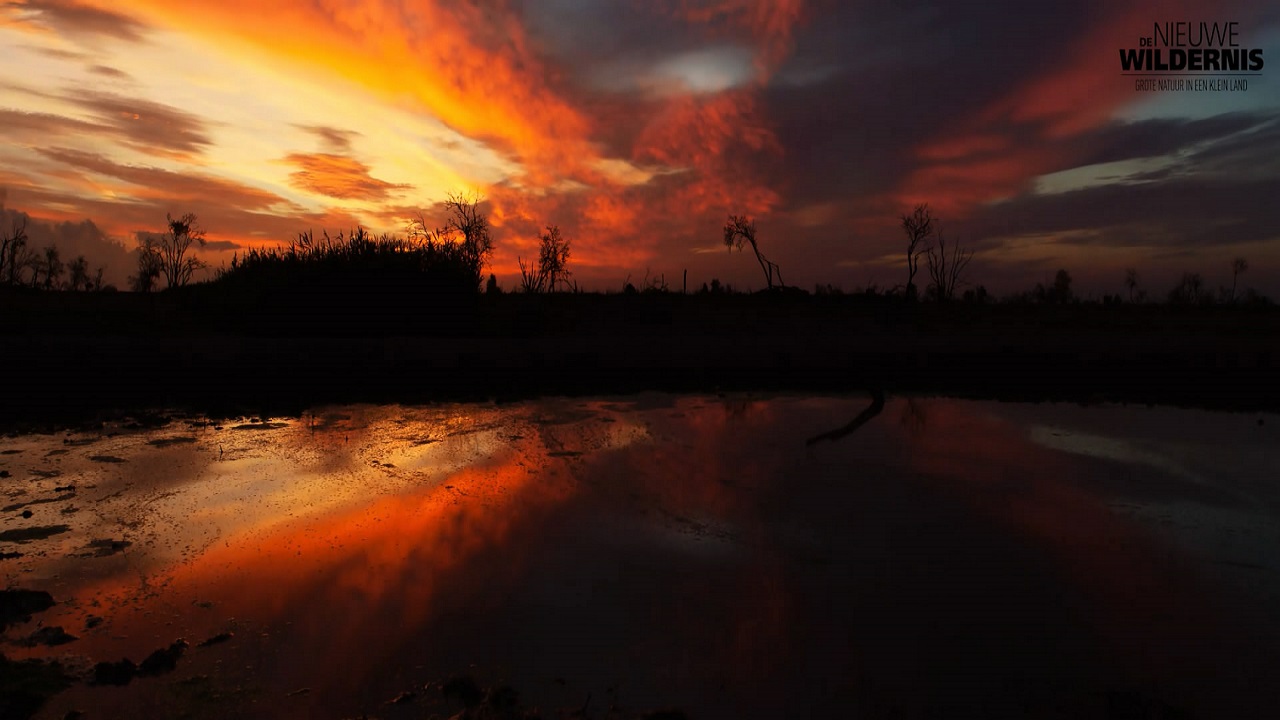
column 872, row 410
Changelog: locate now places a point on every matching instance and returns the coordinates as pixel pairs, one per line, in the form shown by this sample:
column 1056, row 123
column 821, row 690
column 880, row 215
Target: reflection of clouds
column 1106, row 448
column 690, row 544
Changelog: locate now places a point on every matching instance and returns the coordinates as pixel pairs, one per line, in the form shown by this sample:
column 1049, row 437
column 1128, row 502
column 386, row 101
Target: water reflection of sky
column 691, row 551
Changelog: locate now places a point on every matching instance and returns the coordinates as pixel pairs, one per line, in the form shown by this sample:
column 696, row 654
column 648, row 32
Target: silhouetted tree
column 740, row 230
column 52, row 266
column 491, row 287
column 1059, row 293
column 466, row 226
column 1062, row 286
column 149, row 264
column 1189, row 290
column 1131, row 281
column 918, row 226
column 15, row 257
column 553, row 264
column 78, row 275
column 1238, row 266
column 945, row 270
column 176, row 265
column 656, row 283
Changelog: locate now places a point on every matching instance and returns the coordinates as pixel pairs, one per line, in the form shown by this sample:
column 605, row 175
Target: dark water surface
column 946, row 559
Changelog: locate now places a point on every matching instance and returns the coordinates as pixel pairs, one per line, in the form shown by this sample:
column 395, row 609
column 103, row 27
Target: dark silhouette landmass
column 363, row 318
column 230, row 348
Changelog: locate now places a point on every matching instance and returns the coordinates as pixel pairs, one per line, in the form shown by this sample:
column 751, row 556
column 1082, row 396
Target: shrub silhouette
column 553, row 264
column 357, row 262
column 946, row 269
column 1189, row 291
column 464, row 237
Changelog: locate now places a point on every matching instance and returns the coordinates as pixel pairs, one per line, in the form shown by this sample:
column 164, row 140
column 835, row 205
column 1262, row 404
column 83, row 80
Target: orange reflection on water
column 696, row 550
column 345, row 581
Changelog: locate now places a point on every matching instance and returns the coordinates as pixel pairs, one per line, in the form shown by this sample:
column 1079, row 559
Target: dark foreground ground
column 74, row 356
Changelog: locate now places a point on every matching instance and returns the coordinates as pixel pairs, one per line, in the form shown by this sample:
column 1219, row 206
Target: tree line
column 21, row 265
column 452, row 258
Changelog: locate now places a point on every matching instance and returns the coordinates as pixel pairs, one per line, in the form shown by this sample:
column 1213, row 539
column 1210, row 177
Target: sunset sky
column 637, row 126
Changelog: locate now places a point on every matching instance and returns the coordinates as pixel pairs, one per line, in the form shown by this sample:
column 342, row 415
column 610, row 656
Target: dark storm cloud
column 1217, row 193
column 1160, row 136
column 898, row 77
column 593, row 36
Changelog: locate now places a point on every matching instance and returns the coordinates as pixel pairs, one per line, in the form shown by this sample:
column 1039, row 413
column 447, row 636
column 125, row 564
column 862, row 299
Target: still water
column 717, row 555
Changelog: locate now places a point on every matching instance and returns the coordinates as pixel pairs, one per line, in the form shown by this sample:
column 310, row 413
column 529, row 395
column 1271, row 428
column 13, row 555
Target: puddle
column 728, row 557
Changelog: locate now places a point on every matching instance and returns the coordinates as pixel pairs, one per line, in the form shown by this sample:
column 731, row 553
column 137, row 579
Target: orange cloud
column 337, row 176
column 471, row 67
column 677, row 166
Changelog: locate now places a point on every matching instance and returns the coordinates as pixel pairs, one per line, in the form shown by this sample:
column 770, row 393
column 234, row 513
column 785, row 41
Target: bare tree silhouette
column 51, row 264
column 741, row 230
column 176, row 265
column 1059, row 293
column 1189, row 290
column 553, row 264
column 467, row 226
column 78, row 272
column 1131, row 281
column 945, row 270
column 1238, row 266
column 149, row 262
column 15, row 257
column 918, row 226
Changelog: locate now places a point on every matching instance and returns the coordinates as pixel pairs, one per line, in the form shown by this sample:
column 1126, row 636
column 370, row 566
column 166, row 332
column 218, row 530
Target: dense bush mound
column 357, row 281
column 359, row 262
